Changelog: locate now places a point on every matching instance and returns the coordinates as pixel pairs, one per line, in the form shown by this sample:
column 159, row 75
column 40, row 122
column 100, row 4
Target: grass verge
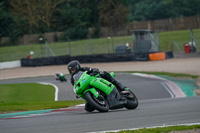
column 163, row 73
column 28, row 92
column 8, row 107
column 30, row 96
column 161, row 129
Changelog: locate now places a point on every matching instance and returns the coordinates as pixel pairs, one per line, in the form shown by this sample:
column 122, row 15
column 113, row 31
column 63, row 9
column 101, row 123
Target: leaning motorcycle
column 60, row 77
column 101, row 94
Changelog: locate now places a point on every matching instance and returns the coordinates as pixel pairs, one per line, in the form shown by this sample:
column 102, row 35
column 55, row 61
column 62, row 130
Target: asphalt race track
column 157, row 107
column 144, row 88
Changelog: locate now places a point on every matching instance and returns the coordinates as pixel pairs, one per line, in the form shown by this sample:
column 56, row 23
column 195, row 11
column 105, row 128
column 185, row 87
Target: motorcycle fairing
column 114, row 100
column 102, row 85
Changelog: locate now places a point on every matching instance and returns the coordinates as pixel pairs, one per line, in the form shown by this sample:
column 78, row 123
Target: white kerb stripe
column 56, row 89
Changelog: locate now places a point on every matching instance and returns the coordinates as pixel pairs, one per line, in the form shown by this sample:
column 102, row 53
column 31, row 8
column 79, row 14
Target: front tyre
column 88, row 107
column 132, row 101
column 99, row 103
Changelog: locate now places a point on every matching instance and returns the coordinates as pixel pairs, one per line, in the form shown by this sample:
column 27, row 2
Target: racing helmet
column 73, row 67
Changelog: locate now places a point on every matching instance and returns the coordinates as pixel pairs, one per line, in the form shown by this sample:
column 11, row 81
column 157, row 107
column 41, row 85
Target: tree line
column 74, row 17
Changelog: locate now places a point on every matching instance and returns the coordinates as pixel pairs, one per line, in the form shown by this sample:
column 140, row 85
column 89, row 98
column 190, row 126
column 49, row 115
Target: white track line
column 56, row 89
column 169, row 85
column 170, row 92
column 164, row 125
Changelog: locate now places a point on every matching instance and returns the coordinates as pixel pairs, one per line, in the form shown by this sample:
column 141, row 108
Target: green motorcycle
column 61, row 77
column 101, row 94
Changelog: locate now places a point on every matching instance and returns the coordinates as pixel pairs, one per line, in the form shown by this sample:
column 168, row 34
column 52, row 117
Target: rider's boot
column 121, row 88
column 118, row 85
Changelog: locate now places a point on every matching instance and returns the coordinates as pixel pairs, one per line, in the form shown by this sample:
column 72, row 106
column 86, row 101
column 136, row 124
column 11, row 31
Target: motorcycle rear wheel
column 99, row 103
column 132, row 101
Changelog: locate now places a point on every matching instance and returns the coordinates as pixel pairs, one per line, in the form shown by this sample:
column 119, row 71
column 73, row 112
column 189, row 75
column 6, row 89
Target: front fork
column 93, row 91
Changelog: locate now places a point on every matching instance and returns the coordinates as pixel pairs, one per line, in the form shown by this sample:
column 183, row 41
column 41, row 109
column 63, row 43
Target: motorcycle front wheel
column 88, row 107
column 99, row 103
column 132, row 101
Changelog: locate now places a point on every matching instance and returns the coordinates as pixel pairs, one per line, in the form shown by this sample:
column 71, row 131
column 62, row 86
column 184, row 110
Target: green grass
column 164, row 73
column 6, row 107
column 94, row 46
column 29, row 92
column 180, row 37
column 30, row 96
column 161, row 129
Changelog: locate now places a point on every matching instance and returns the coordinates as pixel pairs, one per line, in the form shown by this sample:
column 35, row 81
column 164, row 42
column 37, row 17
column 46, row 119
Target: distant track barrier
column 62, row 60
column 11, row 64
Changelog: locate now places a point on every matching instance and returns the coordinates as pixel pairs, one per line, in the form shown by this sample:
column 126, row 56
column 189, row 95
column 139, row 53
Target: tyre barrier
column 58, row 60
column 160, row 56
column 141, row 57
column 63, row 60
column 169, row 55
column 157, row 56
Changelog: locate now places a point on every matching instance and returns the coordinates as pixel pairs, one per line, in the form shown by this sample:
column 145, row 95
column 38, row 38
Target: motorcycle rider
column 74, row 67
column 60, row 76
column 57, row 76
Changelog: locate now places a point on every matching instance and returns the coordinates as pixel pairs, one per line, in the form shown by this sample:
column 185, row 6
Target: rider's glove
column 95, row 71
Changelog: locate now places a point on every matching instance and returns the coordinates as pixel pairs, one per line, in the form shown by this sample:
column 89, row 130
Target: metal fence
column 177, row 42
column 121, row 45
column 92, row 46
column 73, row 48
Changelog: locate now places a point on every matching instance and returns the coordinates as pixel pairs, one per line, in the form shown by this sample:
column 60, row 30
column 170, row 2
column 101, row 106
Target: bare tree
column 112, row 13
column 49, row 7
column 36, row 12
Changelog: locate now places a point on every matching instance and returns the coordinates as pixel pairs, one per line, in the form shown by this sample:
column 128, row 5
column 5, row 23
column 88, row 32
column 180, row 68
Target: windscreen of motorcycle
column 77, row 76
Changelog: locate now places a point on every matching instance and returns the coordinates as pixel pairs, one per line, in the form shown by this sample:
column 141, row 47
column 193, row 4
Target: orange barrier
column 157, row 56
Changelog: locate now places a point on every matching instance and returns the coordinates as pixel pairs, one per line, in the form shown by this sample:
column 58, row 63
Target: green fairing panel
column 103, row 85
column 82, row 83
column 85, row 83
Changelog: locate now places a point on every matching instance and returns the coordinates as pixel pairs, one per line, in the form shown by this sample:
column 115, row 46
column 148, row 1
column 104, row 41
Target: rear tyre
column 99, row 103
column 132, row 101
